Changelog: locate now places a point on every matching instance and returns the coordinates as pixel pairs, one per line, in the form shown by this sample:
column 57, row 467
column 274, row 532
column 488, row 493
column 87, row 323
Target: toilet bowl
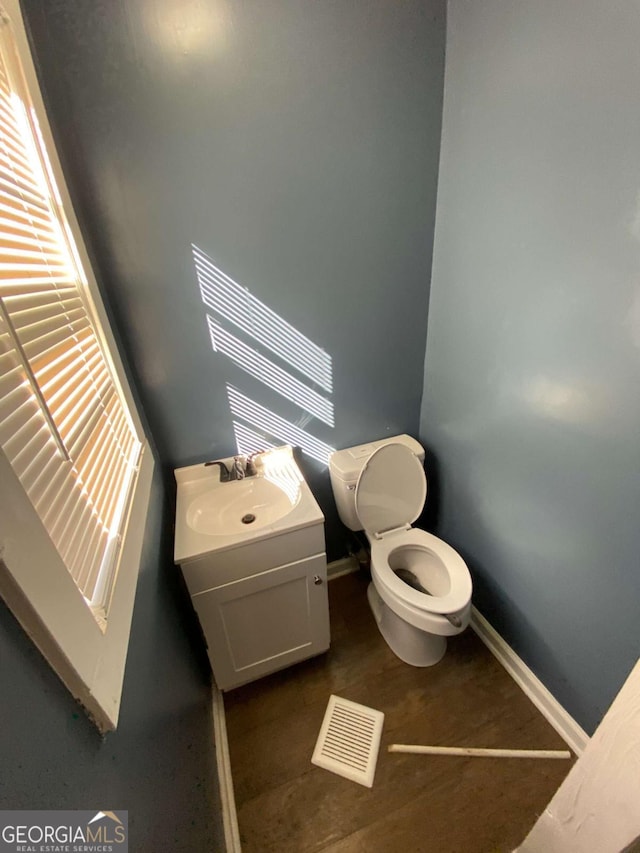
column 420, row 592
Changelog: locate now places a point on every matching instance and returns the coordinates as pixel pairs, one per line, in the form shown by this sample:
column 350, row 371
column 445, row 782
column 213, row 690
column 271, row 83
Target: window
column 74, row 466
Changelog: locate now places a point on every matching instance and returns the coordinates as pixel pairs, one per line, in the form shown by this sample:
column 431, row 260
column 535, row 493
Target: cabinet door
column 265, row 622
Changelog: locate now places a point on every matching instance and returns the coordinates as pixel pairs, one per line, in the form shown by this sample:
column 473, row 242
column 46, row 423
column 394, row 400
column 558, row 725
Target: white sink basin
column 253, row 502
column 215, row 516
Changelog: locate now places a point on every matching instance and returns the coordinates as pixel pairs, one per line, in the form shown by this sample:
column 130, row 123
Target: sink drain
column 248, row 518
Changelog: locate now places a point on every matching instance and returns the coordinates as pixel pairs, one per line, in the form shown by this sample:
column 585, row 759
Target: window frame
column 90, row 660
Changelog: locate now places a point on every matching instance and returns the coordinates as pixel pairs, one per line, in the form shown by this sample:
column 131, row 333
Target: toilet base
column 411, row 645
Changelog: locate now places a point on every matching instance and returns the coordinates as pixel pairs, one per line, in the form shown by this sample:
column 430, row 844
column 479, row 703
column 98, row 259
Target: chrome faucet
column 225, row 474
column 242, row 466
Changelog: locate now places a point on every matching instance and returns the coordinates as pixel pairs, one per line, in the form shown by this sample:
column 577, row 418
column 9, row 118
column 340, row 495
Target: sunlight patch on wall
column 268, row 372
column 249, row 441
column 271, row 424
column 255, row 426
column 237, row 305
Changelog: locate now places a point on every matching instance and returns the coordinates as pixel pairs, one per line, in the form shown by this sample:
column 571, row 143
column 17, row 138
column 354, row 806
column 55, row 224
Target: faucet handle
column 240, row 464
column 251, row 465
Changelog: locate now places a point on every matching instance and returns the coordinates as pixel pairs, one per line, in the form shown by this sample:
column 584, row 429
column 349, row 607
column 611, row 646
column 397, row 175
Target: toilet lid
column 391, row 489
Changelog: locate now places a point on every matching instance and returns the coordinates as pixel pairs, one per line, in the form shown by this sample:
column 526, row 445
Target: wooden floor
column 418, row 804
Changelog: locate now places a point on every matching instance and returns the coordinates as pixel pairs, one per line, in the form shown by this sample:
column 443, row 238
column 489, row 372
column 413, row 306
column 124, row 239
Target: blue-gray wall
column 296, row 144
column 160, row 762
column 532, row 375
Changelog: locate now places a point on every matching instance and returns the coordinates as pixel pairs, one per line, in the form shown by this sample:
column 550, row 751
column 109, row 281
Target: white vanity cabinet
column 253, row 557
column 259, row 613
column 265, row 622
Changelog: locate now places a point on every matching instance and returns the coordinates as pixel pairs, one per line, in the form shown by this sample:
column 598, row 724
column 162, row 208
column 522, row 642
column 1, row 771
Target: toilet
column 420, row 592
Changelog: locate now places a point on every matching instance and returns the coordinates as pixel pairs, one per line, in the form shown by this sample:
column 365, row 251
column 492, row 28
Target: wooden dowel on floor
column 490, row 753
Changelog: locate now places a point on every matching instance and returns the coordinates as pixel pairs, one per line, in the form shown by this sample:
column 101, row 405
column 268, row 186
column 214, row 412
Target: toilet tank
column 344, row 469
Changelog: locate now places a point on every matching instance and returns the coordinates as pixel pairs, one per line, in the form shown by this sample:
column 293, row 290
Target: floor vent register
column 349, row 740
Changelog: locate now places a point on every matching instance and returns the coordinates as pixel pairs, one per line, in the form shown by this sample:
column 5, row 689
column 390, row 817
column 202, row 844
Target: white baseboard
column 568, row 729
column 225, row 781
column 344, row 566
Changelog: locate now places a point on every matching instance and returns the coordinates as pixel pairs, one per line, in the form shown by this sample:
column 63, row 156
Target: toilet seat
column 390, row 494
column 459, row 593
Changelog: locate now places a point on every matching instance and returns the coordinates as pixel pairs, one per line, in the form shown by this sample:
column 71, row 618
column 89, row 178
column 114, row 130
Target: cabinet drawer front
column 266, row 622
column 216, row 569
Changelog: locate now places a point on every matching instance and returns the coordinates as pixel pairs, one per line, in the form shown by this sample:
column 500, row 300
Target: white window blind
column 64, row 424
